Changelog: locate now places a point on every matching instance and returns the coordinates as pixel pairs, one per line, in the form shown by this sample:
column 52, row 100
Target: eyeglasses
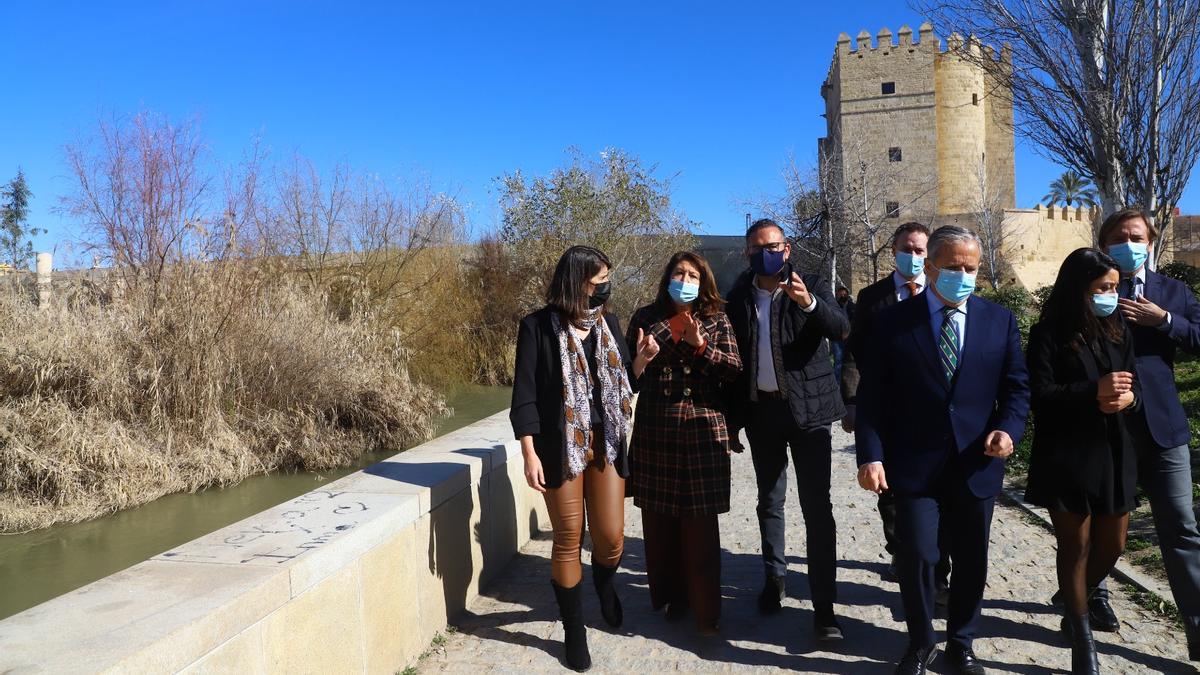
column 773, row 247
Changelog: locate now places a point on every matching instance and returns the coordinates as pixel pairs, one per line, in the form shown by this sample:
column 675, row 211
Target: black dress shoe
column 890, row 573
column 1100, row 612
column 771, row 598
column 825, row 624
column 1191, row 629
column 962, row 660
column 916, row 661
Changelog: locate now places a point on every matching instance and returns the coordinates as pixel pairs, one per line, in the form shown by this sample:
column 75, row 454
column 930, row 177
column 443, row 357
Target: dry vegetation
column 274, row 316
column 107, row 407
column 239, row 329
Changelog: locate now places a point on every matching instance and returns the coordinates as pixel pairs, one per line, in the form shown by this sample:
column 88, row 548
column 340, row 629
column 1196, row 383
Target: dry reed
column 218, row 375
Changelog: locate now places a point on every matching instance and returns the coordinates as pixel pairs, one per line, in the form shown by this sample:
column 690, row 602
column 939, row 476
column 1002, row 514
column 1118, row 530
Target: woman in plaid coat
column 679, row 455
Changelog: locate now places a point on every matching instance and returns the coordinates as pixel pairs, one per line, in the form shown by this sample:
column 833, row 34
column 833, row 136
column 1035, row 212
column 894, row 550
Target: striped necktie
column 1129, row 290
column 948, row 343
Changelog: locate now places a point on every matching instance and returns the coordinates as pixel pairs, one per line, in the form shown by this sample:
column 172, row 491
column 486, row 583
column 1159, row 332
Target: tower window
column 974, row 99
column 894, row 155
column 889, row 87
column 893, row 209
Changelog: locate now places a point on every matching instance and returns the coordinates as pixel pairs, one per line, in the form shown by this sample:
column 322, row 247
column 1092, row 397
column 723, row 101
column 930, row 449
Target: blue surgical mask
column 909, row 265
column 1129, row 256
column 767, row 263
column 1104, row 304
column 954, row 285
column 682, row 292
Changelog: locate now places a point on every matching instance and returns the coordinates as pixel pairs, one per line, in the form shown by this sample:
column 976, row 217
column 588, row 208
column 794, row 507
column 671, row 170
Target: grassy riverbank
column 198, row 383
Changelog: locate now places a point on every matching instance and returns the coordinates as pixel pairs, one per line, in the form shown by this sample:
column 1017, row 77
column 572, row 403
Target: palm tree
column 1072, row 189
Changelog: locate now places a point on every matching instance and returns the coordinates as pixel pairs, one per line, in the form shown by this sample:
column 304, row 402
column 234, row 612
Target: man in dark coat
column 1164, row 316
column 907, row 280
column 842, row 295
column 943, row 402
column 787, row 396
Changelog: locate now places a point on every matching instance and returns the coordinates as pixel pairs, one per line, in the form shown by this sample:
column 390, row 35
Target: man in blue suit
column 1164, row 315
column 941, row 407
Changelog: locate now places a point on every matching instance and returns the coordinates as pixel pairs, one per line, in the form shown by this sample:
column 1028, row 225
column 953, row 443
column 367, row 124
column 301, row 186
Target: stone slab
column 155, row 617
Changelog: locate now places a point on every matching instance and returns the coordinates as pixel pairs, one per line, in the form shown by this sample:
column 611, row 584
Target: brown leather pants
column 599, row 495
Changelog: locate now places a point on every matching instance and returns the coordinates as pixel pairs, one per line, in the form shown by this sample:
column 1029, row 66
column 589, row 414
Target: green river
column 40, row 565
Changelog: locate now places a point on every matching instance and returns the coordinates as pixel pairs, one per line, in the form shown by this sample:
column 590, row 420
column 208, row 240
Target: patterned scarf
column 615, row 394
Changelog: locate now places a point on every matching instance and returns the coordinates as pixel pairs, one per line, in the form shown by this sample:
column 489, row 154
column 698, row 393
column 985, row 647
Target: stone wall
column 1043, row 237
column 356, row 577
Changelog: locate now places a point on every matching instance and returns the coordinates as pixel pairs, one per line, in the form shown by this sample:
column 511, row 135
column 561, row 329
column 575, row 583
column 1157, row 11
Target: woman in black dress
column 1083, row 467
column 681, row 444
column 571, row 403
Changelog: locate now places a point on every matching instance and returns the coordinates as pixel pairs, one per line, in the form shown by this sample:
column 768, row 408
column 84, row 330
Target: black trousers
column 968, row 521
column 772, row 431
column 887, row 513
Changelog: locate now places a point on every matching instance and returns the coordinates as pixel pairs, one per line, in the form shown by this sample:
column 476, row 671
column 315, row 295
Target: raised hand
column 998, row 444
column 647, row 346
column 797, row 291
column 1142, row 312
column 693, row 334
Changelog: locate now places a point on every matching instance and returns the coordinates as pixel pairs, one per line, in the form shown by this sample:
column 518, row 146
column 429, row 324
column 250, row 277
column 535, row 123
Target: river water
column 40, row 565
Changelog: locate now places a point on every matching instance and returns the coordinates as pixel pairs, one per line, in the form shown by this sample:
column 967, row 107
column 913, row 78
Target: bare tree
column 1111, row 89
column 995, row 235
column 365, row 238
column 818, row 243
column 614, row 204
column 866, row 196
column 141, row 186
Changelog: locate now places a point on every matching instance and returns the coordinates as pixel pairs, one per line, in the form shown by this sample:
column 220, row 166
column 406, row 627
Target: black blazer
column 537, row 399
column 871, row 299
column 1072, row 439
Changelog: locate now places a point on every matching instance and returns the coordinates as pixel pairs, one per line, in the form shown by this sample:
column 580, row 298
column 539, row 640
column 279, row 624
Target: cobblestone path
column 512, row 626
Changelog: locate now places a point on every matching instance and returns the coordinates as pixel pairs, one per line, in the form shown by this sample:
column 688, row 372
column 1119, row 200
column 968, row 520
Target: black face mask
column 843, row 300
column 600, row 295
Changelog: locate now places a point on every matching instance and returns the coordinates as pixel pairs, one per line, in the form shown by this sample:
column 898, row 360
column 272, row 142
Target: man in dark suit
column 1164, row 316
column 942, row 404
column 786, row 397
column 909, row 243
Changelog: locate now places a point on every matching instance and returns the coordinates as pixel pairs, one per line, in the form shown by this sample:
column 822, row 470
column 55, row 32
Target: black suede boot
column 1191, row 629
column 1083, row 647
column 570, row 606
column 610, row 604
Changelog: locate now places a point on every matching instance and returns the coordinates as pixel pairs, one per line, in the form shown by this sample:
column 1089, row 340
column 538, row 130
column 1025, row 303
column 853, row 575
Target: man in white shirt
column 787, row 397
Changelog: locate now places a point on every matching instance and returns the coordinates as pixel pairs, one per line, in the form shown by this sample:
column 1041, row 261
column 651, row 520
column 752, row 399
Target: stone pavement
column 513, row 627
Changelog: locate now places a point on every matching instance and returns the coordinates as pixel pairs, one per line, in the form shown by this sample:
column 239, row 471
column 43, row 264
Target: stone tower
column 928, row 118
column 918, row 130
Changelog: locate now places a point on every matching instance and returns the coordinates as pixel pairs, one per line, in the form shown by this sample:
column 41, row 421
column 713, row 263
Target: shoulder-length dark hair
column 708, row 303
column 1067, row 312
column 567, row 291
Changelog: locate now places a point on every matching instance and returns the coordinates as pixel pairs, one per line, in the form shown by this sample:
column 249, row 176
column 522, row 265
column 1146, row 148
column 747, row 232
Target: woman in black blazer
column 1083, row 466
column 571, row 404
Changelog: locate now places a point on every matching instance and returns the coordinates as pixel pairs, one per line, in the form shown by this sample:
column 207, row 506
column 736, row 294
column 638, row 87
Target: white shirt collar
column 898, row 280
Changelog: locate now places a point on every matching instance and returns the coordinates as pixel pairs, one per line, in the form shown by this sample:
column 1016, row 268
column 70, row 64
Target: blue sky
column 719, row 94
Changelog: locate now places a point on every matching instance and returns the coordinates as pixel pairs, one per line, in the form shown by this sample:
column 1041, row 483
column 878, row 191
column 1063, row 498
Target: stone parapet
column 356, row 577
